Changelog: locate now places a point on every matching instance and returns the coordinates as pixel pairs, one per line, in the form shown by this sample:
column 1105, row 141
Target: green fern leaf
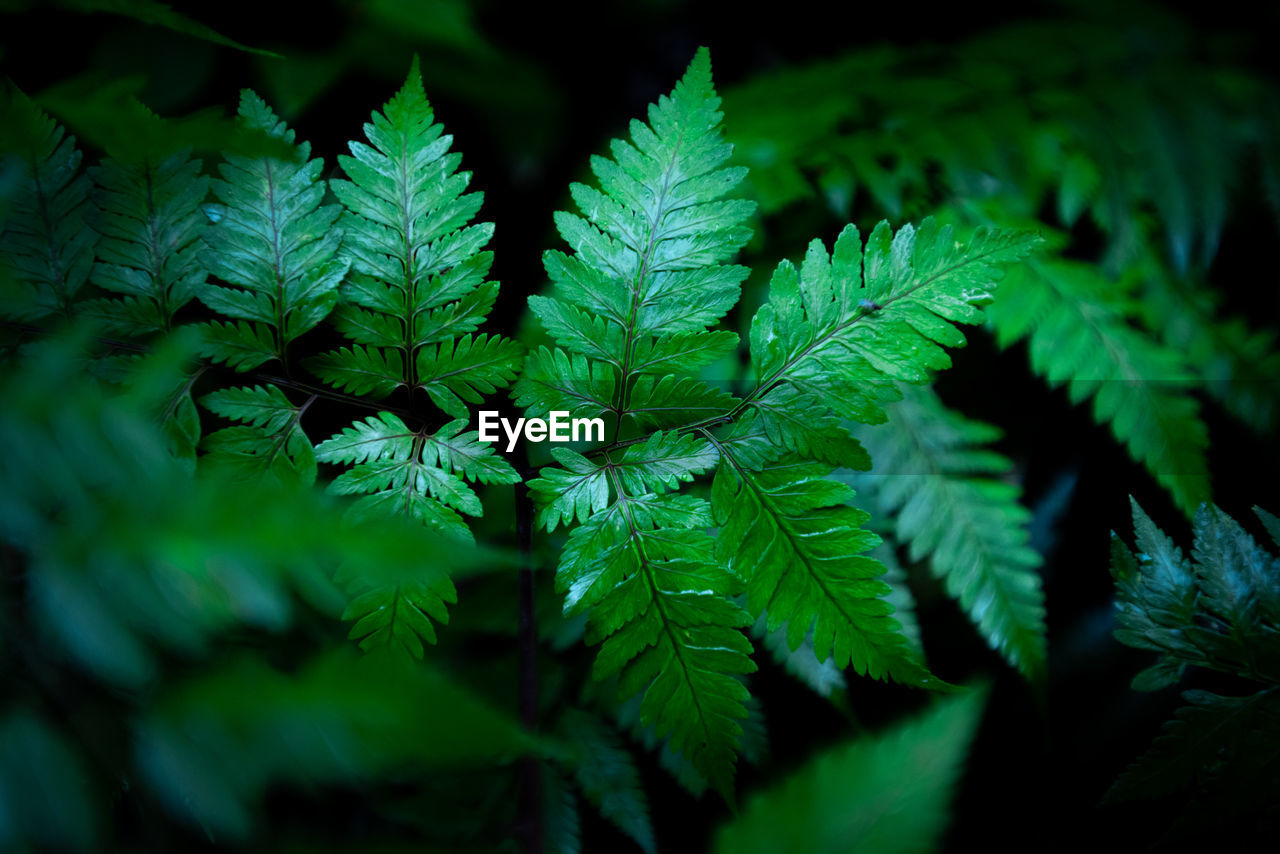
column 45, row 209
column 554, row 380
column 1078, row 336
column 1219, row 610
column 422, row 476
column 416, row 295
column 785, row 530
column 659, row 606
column 887, row 793
column 607, row 775
column 274, row 243
column 364, row 371
column 873, row 319
column 418, row 288
column 272, row 440
column 466, row 370
column 842, row 327
column 647, row 262
column 630, row 312
column 948, row 507
column 628, row 315
column 401, row 471
column 151, row 227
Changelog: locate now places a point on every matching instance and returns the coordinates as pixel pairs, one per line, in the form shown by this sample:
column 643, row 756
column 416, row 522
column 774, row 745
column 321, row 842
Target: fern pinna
column 937, row 482
column 666, row 599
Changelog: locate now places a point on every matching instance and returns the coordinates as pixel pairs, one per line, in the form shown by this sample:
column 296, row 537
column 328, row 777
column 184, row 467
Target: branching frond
column 629, row 316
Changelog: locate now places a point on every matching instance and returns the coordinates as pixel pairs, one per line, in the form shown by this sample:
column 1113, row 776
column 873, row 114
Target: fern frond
column 274, row 243
column 933, row 478
column 418, row 288
column 1078, row 335
column 416, row 294
column 629, row 316
column 842, row 327
column 151, row 227
column 838, row 320
column 418, row 473
column 607, row 776
column 785, row 530
column 1148, row 159
column 660, row 607
column 423, row 476
column 466, row 369
column 646, row 277
column 45, row 210
column 1219, row 610
column 890, row 792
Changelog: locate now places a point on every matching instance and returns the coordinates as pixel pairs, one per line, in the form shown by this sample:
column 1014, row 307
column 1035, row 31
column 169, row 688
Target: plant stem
column 529, row 818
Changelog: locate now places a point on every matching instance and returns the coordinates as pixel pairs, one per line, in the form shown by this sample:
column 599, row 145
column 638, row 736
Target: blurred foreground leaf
column 877, row 795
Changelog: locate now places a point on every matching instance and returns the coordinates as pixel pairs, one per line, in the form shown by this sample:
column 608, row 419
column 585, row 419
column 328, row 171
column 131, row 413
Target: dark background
column 554, row 83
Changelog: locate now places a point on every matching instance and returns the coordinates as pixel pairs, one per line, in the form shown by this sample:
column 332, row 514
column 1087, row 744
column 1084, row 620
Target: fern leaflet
column 44, row 214
column 947, row 506
column 151, row 227
column 1078, row 335
column 274, row 243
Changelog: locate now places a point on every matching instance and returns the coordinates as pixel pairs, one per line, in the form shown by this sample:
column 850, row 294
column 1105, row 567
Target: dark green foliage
column 1075, row 320
column 182, row 587
column 151, row 226
column 1219, row 610
column 45, row 237
column 1070, row 126
column 884, row 793
column 607, row 776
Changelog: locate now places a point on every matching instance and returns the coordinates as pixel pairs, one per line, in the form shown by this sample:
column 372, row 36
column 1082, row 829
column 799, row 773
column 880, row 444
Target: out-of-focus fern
column 1220, row 610
column 1075, row 322
column 890, row 792
column 134, row 571
column 275, row 243
column 939, row 485
column 149, row 256
column 151, row 226
column 277, row 259
column 607, row 776
column 645, row 282
column 1065, row 125
column 45, row 238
